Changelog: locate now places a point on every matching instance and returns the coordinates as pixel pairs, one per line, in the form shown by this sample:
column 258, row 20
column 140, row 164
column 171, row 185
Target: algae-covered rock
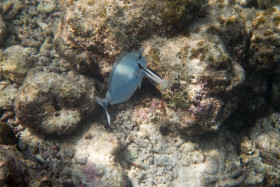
column 13, row 169
column 102, row 29
column 54, row 103
column 204, row 81
column 178, row 159
column 260, row 152
column 265, row 40
column 7, row 136
column 7, row 95
column 16, row 61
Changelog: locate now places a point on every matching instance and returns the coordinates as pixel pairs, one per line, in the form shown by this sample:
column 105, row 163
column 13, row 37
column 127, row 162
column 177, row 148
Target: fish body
column 125, row 77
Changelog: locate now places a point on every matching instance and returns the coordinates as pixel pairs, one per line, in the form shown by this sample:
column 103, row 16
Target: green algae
column 179, row 99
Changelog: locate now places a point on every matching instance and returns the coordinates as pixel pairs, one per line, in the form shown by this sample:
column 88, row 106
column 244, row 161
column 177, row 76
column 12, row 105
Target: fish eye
column 139, row 57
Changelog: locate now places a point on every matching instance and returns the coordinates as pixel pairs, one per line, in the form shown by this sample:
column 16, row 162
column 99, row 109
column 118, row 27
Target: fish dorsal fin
column 116, row 63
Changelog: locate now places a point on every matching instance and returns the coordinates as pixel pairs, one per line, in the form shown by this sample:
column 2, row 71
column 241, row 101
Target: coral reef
column 97, row 31
column 265, row 40
column 54, row 103
column 203, row 78
column 220, row 57
column 260, row 152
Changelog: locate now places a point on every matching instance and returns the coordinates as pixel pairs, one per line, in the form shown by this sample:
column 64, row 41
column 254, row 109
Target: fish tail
column 104, row 104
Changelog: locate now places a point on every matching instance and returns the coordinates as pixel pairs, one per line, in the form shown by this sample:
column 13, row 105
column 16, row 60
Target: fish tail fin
column 104, row 104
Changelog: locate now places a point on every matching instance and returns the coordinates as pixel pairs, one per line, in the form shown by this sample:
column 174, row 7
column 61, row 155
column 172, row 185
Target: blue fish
column 125, row 77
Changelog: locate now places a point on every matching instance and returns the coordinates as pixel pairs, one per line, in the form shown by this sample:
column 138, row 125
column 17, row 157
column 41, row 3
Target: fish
column 125, row 77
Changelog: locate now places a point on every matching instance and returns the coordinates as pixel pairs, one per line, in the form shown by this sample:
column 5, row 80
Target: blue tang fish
column 125, row 77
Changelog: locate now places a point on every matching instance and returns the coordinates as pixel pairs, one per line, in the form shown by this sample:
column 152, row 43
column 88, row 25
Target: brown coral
column 54, row 103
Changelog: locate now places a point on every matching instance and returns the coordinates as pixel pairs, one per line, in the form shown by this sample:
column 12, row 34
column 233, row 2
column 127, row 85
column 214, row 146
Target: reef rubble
column 216, row 125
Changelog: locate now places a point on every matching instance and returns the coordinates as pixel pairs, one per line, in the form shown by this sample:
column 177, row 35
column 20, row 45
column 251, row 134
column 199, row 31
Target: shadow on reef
column 147, row 90
column 255, row 103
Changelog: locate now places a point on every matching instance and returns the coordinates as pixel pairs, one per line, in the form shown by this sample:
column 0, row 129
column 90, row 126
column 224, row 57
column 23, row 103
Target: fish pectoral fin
column 104, row 104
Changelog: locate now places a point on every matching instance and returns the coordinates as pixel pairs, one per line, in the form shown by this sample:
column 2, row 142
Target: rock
column 7, row 136
column 46, row 6
column 69, row 152
column 16, row 62
column 260, row 152
column 22, row 146
column 3, row 31
column 204, row 81
column 131, row 152
column 265, row 39
column 13, row 170
column 102, row 151
column 199, row 161
column 98, row 31
column 7, row 95
column 81, row 159
column 54, row 103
